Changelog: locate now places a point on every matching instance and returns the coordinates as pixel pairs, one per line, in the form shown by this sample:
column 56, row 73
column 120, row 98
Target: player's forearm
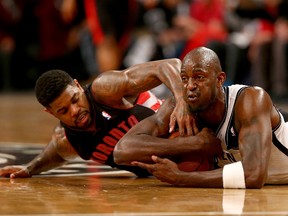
column 169, row 74
column 203, row 179
column 142, row 147
column 46, row 160
column 143, row 77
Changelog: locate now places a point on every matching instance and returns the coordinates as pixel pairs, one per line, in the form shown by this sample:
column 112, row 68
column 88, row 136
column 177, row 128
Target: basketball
column 189, row 162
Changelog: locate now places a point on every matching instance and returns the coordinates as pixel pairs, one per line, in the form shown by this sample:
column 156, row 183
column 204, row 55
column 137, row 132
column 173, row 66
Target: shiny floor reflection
column 123, row 194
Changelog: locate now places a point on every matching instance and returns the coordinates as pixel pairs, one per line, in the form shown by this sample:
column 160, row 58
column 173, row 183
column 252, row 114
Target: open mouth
column 82, row 118
column 192, row 97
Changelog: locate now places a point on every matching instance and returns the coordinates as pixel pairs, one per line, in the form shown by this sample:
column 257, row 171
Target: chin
column 85, row 125
column 89, row 123
column 196, row 109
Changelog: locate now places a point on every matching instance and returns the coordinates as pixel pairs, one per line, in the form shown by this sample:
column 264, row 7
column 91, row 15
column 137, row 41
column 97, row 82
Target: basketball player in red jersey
column 253, row 132
column 95, row 117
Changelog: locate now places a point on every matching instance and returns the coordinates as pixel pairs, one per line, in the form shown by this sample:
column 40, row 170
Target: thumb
column 13, row 175
column 155, row 158
column 20, row 174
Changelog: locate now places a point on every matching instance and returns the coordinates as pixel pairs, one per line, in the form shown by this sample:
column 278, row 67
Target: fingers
column 172, row 123
column 6, row 171
column 150, row 167
column 13, row 175
column 189, row 128
column 181, row 125
column 14, row 172
column 23, row 173
column 156, row 159
column 142, row 165
column 186, row 126
column 194, row 126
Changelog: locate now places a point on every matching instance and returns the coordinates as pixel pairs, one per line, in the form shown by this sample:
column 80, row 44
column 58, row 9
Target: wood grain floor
column 23, row 123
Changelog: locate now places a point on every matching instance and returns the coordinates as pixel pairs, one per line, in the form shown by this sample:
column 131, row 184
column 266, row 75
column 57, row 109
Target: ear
column 48, row 111
column 221, row 77
column 78, row 85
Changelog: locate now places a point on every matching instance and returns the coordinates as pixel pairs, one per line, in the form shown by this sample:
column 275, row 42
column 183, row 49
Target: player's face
column 200, row 86
column 72, row 107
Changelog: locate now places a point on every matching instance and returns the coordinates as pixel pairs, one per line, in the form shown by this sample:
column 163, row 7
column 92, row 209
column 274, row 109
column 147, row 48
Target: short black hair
column 50, row 85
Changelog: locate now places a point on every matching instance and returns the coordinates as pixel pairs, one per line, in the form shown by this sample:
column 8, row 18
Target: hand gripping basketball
column 189, row 162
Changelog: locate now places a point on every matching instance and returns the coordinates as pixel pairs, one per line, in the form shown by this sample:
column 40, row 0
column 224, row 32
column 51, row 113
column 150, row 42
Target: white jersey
column 278, row 162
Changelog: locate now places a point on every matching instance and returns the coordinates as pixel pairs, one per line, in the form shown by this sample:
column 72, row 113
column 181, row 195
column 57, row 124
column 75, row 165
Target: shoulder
column 253, row 94
column 253, row 101
column 107, row 79
column 107, row 88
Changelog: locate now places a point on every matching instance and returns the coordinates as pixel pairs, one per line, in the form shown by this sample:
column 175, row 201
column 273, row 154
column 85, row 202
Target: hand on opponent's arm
column 182, row 116
column 129, row 83
column 169, row 74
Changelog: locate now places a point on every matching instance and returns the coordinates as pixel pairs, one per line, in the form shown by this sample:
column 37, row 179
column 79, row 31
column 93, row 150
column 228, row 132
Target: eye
column 184, row 79
column 200, row 77
column 75, row 99
column 62, row 111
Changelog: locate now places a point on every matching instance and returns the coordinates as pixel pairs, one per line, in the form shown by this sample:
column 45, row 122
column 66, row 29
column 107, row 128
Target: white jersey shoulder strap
column 232, row 93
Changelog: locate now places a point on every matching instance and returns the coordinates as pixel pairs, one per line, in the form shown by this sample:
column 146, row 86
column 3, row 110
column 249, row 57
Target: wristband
column 233, row 175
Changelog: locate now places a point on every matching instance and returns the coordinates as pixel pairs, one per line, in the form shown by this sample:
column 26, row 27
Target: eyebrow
column 62, row 108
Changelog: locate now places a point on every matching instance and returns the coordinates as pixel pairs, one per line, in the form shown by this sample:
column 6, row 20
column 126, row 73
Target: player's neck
column 213, row 116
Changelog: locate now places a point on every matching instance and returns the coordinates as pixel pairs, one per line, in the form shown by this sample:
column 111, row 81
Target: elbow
column 254, row 185
column 176, row 63
column 118, row 157
column 121, row 155
column 255, row 180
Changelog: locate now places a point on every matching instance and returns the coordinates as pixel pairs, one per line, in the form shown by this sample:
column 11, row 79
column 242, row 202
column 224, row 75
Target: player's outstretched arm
column 116, row 88
column 55, row 154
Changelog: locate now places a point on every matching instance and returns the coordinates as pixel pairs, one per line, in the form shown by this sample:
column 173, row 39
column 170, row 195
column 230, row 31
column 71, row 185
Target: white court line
column 17, row 144
column 110, row 173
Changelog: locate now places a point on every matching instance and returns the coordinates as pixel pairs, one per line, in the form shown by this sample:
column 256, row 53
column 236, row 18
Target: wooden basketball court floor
column 83, row 188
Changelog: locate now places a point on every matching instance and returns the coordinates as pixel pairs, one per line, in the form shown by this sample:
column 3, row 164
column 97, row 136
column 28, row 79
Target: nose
column 74, row 109
column 192, row 84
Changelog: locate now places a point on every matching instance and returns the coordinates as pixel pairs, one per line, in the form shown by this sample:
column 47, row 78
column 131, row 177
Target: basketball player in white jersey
column 253, row 132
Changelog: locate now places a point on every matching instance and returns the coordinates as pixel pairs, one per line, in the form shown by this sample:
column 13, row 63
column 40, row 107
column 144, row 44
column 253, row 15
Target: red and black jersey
column 112, row 124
